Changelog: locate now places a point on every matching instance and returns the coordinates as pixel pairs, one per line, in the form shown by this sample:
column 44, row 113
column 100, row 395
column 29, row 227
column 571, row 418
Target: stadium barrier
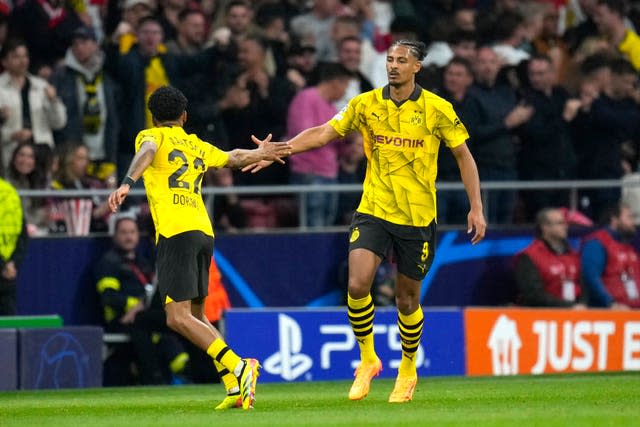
column 9, row 359
column 630, row 186
column 9, row 343
column 45, row 321
column 318, row 344
column 290, row 270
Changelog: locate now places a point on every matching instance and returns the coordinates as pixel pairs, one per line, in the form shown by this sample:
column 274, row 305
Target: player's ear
column 417, row 66
column 183, row 117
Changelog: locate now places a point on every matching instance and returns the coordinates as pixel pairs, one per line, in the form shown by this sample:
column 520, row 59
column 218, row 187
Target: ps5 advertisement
column 318, row 344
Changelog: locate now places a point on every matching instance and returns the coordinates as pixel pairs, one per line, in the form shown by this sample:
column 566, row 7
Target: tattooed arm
column 139, row 164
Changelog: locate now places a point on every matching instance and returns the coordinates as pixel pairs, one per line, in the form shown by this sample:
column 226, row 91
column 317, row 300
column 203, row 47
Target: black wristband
column 128, row 180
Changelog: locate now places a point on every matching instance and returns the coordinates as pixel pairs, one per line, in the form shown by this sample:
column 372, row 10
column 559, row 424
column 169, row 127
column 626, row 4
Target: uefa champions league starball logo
column 63, row 363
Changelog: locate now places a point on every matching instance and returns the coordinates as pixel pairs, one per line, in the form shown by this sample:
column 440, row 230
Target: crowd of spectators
column 548, row 90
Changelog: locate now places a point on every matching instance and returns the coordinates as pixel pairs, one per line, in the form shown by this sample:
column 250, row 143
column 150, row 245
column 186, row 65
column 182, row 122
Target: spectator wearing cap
column 89, row 95
column 302, row 61
column 32, row 106
column 47, row 27
column 547, row 272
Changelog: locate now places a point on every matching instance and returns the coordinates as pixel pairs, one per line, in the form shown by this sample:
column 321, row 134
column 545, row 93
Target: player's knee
column 358, row 289
column 407, row 303
column 176, row 321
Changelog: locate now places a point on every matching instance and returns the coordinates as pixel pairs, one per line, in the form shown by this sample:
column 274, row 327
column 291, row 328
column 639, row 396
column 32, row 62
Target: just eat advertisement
column 535, row 341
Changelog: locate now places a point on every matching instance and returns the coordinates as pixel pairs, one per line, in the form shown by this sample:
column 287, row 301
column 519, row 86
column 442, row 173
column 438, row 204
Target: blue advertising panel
column 9, row 359
column 305, row 270
column 318, row 344
column 61, row 357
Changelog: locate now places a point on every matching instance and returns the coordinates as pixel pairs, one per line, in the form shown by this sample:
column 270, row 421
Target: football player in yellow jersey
column 402, row 127
column 172, row 164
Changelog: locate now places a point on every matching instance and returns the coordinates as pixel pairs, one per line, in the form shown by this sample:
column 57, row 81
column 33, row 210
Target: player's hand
column 274, row 152
column 117, row 197
column 9, row 272
column 476, row 222
column 257, row 167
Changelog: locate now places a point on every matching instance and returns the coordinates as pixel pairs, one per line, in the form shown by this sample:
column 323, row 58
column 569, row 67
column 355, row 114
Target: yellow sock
column 228, row 379
column 220, row 351
column 410, row 332
column 361, row 313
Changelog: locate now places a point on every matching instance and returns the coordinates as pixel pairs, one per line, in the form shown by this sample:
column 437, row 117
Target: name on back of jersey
column 185, row 200
column 191, row 145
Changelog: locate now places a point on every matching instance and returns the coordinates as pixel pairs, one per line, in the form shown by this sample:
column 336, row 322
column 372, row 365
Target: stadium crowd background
column 548, row 90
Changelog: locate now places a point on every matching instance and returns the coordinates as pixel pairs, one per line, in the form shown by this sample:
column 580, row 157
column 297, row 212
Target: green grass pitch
column 559, row 400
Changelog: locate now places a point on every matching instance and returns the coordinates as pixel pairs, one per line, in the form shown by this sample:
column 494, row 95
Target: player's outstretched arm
column 306, row 140
column 139, row 164
column 266, row 151
column 469, row 175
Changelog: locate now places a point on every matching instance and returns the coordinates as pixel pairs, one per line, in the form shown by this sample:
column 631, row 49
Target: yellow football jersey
column 173, row 181
column 401, row 145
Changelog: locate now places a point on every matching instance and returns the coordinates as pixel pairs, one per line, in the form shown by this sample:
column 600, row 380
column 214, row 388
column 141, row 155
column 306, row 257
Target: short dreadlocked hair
column 416, row 48
column 167, row 103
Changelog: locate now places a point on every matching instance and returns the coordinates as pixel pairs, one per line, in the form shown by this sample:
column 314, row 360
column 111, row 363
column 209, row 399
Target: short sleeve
column 449, row 127
column 344, row 121
column 148, row 135
column 215, row 157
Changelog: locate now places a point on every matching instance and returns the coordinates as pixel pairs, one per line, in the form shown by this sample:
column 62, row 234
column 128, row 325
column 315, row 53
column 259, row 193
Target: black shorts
column 414, row 247
column 183, row 265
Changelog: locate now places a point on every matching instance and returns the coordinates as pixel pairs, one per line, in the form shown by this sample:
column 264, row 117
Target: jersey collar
column 415, row 95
